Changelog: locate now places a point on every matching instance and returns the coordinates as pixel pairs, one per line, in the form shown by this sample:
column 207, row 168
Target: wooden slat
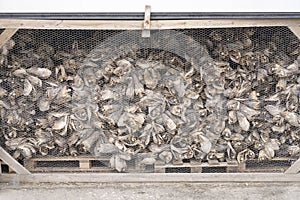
column 72, row 169
column 6, row 35
column 295, row 30
column 295, row 168
column 220, row 164
column 69, row 158
column 148, row 177
column 138, row 24
column 265, row 169
column 8, row 159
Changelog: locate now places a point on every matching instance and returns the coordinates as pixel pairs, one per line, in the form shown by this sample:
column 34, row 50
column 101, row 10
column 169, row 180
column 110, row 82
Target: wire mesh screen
column 181, row 101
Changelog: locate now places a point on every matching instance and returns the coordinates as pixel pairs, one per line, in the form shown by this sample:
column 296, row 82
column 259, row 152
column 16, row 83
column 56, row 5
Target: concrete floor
column 164, row 191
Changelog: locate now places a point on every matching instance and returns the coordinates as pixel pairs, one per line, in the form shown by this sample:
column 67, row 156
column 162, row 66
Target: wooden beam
column 295, row 30
column 6, row 35
column 15, row 165
column 148, row 177
column 294, row 169
column 138, row 24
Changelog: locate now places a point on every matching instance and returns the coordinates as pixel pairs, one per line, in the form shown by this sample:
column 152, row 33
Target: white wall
column 157, row 5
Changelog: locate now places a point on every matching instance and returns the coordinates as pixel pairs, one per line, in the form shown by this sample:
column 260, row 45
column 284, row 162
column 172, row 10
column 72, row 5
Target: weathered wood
column 71, row 169
column 295, row 168
column 204, row 164
column 6, row 35
column 68, row 158
column 265, row 169
column 146, row 28
column 138, row 24
column 295, row 30
column 82, row 164
column 196, row 167
column 231, row 166
column 10, row 170
column 147, row 177
column 85, row 164
column 8, row 159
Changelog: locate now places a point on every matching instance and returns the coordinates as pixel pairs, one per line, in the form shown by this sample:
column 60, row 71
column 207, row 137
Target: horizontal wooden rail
column 138, row 24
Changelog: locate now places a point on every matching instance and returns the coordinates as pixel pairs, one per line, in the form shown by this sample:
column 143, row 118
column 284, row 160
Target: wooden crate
column 50, row 164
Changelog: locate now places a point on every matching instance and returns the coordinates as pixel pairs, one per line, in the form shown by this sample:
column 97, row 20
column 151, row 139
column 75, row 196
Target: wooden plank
column 15, row 165
column 138, row 24
column 204, row 164
column 69, row 158
column 196, row 167
column 6, row 35
column 266, row 169
column 294, row 169
column 295, row 30
column 72, row 169
column 148, row 177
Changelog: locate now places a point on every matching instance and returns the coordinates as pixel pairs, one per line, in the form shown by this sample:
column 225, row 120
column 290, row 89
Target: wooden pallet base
column 230, row 166
column 68, row 164
column 102, row 164
column 197, row 167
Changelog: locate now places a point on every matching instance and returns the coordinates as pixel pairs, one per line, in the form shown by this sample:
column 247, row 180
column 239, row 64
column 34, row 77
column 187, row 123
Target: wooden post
column 146, row 28
column 84, row 164
column 11, row 162
column 6, row 35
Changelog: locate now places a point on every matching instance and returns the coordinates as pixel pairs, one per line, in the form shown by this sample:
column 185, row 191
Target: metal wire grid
column 255, row 71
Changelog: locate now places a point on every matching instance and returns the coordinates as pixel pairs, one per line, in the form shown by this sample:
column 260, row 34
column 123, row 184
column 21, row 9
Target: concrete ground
column 164, row 191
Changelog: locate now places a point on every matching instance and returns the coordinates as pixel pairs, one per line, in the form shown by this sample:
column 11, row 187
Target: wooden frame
column 23, row 175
